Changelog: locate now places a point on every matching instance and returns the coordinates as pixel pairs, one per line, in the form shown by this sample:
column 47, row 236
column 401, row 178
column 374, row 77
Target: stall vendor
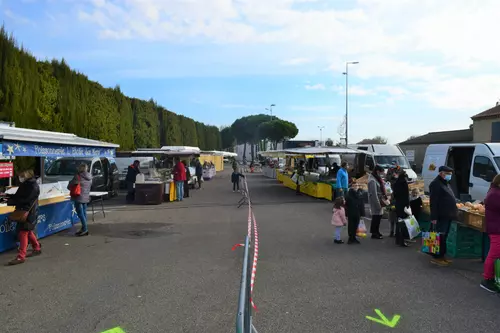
column 132, row 172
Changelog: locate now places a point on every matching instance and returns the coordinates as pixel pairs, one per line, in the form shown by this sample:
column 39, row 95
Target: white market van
column 385, row 155
column 475, row 165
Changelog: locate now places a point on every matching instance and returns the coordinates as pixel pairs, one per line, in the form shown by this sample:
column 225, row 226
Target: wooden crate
column 474, row 220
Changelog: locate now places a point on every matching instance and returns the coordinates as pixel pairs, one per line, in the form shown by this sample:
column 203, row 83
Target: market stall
column 56, row 212
column 316, row 183
column 160, row 186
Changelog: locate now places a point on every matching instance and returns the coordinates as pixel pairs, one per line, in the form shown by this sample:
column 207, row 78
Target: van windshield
column 497, row 160
column 65, row 167
column 388, row 161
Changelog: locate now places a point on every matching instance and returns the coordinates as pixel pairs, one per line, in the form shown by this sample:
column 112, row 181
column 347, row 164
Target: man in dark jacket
column 199, row 172
column 443, row 210
column 355, row 210
column 132, row 172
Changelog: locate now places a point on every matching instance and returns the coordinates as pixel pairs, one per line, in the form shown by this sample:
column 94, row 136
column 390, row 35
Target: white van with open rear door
column 475, row 165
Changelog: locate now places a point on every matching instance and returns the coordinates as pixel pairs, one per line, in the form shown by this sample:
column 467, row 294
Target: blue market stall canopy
column 26, row 142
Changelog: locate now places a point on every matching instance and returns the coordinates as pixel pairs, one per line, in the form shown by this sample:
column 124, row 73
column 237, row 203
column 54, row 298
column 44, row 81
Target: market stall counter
column 56, row 211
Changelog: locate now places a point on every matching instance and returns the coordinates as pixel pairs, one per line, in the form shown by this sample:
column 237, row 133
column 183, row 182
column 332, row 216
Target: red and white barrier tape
column 255, row 258
column 251, row 218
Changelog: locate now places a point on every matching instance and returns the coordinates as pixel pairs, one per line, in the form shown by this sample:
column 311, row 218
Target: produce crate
column 464, row 242
column 474, row 220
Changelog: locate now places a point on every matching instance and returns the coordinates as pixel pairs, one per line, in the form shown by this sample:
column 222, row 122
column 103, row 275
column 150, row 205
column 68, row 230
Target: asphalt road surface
column 170, row 268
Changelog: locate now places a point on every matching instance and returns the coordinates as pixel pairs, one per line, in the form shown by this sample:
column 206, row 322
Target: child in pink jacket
column 339, row 219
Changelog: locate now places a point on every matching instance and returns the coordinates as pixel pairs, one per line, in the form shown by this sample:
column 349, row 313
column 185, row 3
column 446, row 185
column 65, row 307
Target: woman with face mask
column 377, row 197
column 26, row 199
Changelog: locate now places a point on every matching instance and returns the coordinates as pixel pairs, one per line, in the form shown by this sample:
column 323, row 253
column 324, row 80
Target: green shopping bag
column 497, row 272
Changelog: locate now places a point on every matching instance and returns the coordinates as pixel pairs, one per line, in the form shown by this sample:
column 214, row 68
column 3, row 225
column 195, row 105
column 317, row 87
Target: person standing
column 235, row 179
column 338, row 219
column 179, row 178
column 26, row 200
column 186, row 182
column 342, row 182
column 416, row 203
column 377, row 197
column 84, row 179
column 132, row 172
column 199, row 172
column 443, row 210
column 492, row 221
column 300, row 176
column 355, row 208
column 401, row 193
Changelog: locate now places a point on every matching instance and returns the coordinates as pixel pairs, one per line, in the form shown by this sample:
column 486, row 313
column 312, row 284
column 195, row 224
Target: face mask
column 447, row 178
column 21, row 179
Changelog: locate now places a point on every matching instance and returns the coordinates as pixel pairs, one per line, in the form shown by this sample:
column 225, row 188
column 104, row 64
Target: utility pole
column 346, row 73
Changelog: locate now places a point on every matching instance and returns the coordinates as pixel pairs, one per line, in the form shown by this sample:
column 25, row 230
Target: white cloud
column 296, row 61
column 317, row 86
column 439, row 51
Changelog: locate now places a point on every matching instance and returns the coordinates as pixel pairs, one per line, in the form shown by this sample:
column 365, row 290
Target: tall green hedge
column 51, row 96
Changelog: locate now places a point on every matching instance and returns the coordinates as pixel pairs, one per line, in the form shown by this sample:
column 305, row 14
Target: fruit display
column 474, row 208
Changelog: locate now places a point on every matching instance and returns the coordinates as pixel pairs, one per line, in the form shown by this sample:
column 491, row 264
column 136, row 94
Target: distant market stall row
column 55, row 158
column 156, row 184
column 467, row 237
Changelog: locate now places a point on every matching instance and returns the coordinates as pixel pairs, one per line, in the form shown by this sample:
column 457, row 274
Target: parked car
column 105, row 173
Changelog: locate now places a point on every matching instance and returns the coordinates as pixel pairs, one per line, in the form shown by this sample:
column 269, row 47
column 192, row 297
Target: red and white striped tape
column 251, row 220
column 255, row 258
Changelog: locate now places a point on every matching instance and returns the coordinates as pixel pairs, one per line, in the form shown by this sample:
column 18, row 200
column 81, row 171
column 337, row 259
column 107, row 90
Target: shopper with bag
column 492, row 221
column 377, row 197
column 339, row 219
column 26, row 202
column 401, row 193
column 443, row 211
column 79, row 190
column 355, row 210
column 179, row 178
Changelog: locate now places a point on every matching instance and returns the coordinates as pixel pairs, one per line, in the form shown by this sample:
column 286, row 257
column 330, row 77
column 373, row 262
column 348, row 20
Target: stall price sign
column 6, row 170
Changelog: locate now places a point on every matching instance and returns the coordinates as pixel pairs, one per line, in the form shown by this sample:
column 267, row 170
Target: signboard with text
column 410, row 155
column 11, row 148
column 6, row 170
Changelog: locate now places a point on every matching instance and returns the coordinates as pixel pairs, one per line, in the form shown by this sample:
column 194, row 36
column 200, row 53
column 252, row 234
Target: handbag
column 21, row 216
column 76, row 189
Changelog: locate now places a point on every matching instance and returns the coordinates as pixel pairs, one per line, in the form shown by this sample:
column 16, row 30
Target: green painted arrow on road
column 114, row 330
column 383, row 319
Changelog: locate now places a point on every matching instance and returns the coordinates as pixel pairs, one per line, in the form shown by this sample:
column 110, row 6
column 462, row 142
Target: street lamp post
column 321, row 134
column 270, row 109
column 346, row 73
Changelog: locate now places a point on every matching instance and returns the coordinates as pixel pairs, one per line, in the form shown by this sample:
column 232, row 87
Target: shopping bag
column 408, row 211
column 412, row 226
column 497, row 272
column 361, row 231
column 75, row 189
column 431, row 242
